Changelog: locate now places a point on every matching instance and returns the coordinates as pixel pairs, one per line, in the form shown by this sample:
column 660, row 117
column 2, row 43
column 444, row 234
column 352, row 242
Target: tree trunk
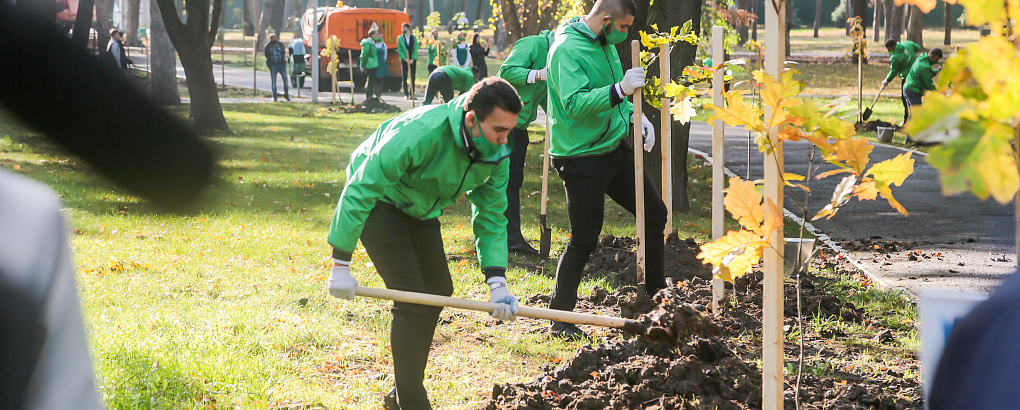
column 512, row 21
column 860, row 9
column 742, row 30
column 266, row 17
column 667, row 13
column 818, row 16
column 131, row 34
column 276, row 20
column 897, row 21
column 104, row 22
column 849, row 13
column 83, row 22
column 193, row 41
column 876, row 21
column 948, row 23
column 478, row 12
column 250, row 15
column 890, row 14
column 162, row 62
column 754, row 27
column 914, row 30
column 789, row 25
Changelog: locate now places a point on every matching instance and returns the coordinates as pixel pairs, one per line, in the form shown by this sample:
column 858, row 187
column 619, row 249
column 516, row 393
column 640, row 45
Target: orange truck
column 350, row 25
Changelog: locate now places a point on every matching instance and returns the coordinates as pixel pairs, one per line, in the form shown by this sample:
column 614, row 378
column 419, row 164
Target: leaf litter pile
column 712, row 364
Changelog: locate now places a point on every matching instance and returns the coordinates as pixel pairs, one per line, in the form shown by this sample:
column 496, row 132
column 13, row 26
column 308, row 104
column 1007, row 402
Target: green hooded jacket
column 901, row 59
column 402, row 49
column 921, row 76
column 581, row 73
column 528, row 53
column 418, row 162
column 369, row 55
column 461, row 77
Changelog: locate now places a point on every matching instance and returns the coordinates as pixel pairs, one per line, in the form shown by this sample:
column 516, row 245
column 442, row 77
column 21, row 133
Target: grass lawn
column 225, row 306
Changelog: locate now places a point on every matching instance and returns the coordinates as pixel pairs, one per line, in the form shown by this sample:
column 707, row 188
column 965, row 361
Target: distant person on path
column 407, row 48
column 590, row 118
column 369, row 62
column 115, row 50
column 276, row 59
column 525, row 69
column 461, row 53
column 298, row 69
column 398, row 183
column 447, row 79
column 382, row 71
column 920, row 79
column 478, row 54
column 437, row 57
column 902, row 55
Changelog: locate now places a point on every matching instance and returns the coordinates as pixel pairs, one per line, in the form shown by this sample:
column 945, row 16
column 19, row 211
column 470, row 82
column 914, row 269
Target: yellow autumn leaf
column 744, row 203
column 646, row 41
column 866, row 191
column 733, row 255
column 738, row 114
column 843, row 192
column 893, row 171
column 887, row 194
column 773, row 220
column 997, row 167
column 683, row 111
column 854, row 153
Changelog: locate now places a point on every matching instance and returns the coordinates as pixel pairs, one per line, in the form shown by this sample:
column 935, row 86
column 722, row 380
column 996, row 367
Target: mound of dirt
column 872, row 126
column 615, row 258
column 371, row 106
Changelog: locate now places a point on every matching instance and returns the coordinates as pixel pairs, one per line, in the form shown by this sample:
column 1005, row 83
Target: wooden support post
column 666, row 146
column 254, row 66
column 314, row 53
column 639, row 173
column 718, row 158
column 772, row 299
column 350, row 72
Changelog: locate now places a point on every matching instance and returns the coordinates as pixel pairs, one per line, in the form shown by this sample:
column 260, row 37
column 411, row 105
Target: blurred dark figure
column 980, row 366
column 115, row 52
column 66, row 94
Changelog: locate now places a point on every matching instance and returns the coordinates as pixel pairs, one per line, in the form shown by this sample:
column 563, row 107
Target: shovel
column 867, row 112
column 630, row 326
column 545, row 244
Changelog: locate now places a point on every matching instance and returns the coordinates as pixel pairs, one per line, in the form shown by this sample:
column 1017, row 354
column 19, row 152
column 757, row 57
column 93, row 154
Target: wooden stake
column 772, row 299
column 350, row 72
column 667, row 140
column 639, row 172
column 718, row 158
column 254, row 66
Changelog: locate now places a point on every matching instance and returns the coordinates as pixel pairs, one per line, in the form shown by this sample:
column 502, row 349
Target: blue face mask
column 486, row 151
column 612, row 36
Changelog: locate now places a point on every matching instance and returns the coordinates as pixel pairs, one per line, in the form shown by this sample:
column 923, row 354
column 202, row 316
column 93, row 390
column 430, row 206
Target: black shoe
column 567, row 331
column 521, row 246
column 390, row 400
column 287, row 97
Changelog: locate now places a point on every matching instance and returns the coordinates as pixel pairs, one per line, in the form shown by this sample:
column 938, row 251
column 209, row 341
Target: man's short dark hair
column 491, row 93
column 475, row 71
column 936, row 52
column 615, row 8
column 113, row 31
column 408, row 25
column 890, row 44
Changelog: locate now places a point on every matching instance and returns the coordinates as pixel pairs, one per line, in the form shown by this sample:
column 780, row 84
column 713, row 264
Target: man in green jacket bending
column 444, row 80
column 901, row 56
column 590, row 117
column 920, row 79
column 398, row 182
column 525, row 69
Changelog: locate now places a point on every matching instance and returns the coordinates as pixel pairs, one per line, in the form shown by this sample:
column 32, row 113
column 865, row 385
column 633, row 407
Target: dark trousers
column 432, row 67
column 407, row 70
column 439, row 83
column 408, row 254
column 280, row 69
column 587, row 181
column 906, row 106
column 911, row 99
column 372, row 84
column 513, row 186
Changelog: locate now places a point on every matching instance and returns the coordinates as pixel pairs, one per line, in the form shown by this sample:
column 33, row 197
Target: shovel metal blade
column 545, row 243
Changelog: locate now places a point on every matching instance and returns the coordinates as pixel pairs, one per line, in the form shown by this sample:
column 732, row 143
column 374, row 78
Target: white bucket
column 885, row 134
column 806, row 247
column 938, row 311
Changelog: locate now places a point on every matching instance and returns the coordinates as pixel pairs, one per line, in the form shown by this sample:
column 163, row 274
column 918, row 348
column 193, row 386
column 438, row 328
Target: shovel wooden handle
column 876, row 97
column 488, row 307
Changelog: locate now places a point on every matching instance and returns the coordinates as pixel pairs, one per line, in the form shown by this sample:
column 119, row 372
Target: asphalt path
column 954, row 243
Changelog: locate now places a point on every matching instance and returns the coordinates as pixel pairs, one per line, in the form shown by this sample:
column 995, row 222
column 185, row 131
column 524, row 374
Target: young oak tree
column 193, row 39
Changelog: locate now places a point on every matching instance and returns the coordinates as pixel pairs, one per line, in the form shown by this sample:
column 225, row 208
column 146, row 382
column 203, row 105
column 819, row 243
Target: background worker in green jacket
column 369, row 63
column 398, row 182
column 921, row 78
column 901, row 56
column 437, row 57
column 525, row 69
column 444, row 80
column 407, row 48
column 590, row 118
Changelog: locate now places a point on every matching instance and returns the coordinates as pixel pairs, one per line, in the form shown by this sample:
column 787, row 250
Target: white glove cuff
column 340, row 262
column 495, row 279
column 532, row 76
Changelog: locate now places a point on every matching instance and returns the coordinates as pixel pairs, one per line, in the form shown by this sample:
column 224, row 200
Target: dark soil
column 615, row 257
column 709, row 363
column 872, row 126
column 371, row 106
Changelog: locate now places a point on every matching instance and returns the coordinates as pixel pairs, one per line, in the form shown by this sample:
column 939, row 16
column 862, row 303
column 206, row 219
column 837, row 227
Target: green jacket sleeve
column 894, row 66
column 926, row 78
column 488, row 202
column 401, row 47
column 382, row 167
column 568, row 80
column 414, row 49
column 367, row 49
column 517, row 66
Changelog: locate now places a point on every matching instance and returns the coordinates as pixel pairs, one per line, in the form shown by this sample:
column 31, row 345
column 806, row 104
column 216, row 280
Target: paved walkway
column 964, row 243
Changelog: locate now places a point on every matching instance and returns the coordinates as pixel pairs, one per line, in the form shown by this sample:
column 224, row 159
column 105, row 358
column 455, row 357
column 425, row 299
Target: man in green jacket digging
column 398, row 182
column 590, row 119
column 901, row 56
column 444, row 80
column 525, row 69
column 920, row 79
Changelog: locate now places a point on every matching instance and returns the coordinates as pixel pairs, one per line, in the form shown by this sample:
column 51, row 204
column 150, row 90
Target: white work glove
column 633, row 79
column 506, row 309
column 885, row 83
column 341, row 283
column 648, row 131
